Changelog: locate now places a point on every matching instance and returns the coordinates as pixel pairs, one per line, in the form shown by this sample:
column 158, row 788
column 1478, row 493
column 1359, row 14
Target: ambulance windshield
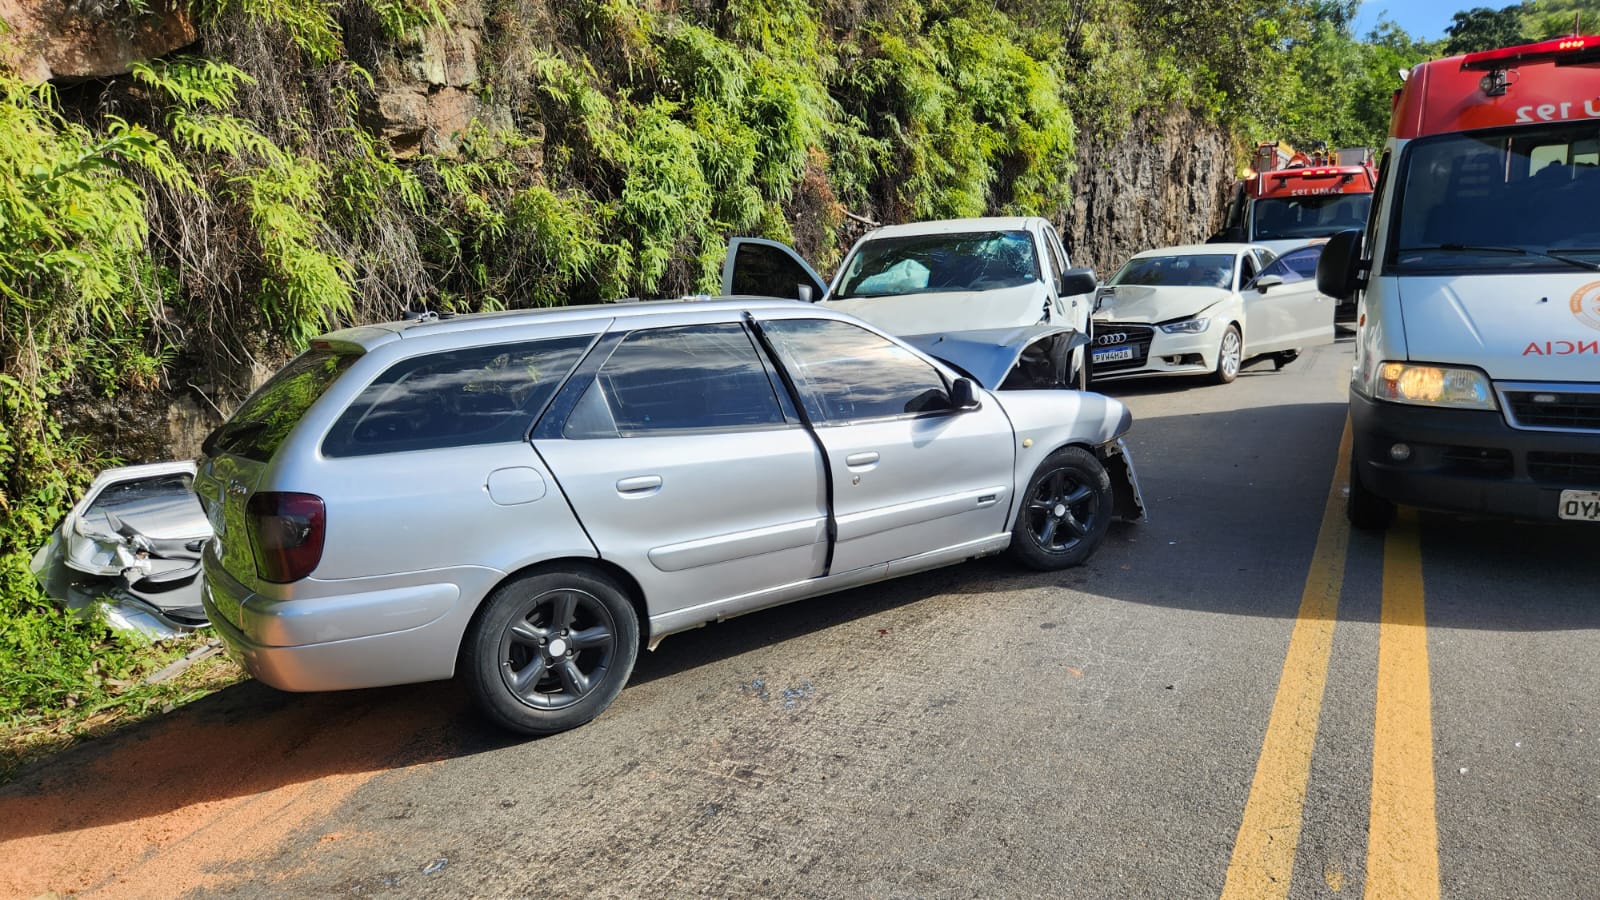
column 1505, row 200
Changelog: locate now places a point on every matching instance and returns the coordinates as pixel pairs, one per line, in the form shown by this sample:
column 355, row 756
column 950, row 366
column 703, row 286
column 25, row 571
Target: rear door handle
column 865, row 458
column 639, row 485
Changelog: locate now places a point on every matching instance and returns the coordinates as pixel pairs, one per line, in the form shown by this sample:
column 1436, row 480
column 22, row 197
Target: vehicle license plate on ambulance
column 1113, row 354
column 1582, row 506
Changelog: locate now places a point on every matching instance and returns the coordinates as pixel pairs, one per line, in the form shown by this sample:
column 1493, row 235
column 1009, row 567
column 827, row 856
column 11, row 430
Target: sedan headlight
column 1431, row 386
column 1188, row 326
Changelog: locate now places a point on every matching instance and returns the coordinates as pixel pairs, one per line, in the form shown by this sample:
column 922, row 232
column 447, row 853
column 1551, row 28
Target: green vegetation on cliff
column 197, row 219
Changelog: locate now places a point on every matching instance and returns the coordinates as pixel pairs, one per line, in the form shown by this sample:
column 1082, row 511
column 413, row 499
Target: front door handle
column 639, row 485
column 864, row 458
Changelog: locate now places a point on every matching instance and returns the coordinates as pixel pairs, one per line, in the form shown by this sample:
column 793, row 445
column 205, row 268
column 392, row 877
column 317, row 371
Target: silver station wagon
column 527, row 498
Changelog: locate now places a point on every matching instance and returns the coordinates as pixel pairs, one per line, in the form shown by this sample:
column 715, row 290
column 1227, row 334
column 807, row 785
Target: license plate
column 1113, row 354
column 1581, row 506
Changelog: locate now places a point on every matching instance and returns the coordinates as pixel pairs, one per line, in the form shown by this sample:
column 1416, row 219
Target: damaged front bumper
column 1124, row 482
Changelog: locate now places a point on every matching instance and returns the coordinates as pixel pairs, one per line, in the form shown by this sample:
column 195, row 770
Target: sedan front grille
column 1112, row 335
column 1565, row 407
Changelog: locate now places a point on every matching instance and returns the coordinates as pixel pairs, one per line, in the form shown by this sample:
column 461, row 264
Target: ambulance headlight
column 1431, row 386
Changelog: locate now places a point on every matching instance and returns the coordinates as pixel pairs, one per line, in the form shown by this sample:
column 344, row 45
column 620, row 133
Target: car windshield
column 1190, row 270
column 935, row 263
column 1321, row 215
column 1506, row 200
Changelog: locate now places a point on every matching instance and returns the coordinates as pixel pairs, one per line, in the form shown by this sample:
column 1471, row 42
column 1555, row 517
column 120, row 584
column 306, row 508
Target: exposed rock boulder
column 73, row 40
column 1163, row 183
column 428, row 96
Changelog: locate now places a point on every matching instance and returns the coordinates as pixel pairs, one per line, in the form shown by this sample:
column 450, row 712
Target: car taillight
column 286, row 532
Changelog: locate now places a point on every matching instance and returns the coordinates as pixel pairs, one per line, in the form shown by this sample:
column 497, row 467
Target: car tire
column 1230, row 356
column 1279, row 360
column 1366, row 510
column 549, row 651
column 1069, row 491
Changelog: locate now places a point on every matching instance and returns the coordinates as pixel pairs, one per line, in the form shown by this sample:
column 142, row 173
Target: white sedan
column 1207, row 309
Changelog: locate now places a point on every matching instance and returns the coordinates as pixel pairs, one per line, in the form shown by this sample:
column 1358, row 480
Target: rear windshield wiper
column 1518, row 251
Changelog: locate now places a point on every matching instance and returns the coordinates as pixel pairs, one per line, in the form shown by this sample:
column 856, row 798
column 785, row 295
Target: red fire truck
column 1476, row 385
column 1289, row 198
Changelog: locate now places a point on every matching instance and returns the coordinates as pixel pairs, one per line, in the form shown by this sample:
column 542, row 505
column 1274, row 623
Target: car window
column 257, row 428
column 1057, row 263
column 457, row 398
column 1247, row 268
column 697, row 377
column 848, row 374
column 761, row 270
column 1296, row 265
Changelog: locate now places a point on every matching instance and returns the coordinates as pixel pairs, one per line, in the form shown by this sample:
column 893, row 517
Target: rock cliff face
column 67, row 40
column 427, row 90
column 1163, row 183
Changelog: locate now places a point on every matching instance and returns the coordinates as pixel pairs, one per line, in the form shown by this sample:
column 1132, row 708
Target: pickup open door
column 756, row 267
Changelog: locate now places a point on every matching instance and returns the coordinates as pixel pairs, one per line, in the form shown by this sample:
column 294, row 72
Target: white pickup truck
column 995, row 296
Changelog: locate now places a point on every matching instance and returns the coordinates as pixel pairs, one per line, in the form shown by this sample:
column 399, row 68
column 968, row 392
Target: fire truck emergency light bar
column 1567, row 51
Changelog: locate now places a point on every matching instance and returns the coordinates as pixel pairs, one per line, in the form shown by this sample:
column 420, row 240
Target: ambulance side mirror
column 1339, row 268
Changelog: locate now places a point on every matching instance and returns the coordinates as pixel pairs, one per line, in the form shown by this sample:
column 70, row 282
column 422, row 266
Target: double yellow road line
column 1402, row 835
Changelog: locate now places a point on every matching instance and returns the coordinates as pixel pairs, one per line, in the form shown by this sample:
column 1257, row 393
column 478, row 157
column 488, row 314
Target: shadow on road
column 243, row 741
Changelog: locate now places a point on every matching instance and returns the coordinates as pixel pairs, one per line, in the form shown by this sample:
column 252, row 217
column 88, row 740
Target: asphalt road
column 1237, row 698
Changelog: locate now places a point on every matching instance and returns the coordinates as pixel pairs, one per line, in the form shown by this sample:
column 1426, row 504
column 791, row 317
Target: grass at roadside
column 110, row 691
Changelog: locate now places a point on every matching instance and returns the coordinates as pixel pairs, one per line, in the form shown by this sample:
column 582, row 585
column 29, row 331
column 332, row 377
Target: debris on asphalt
column 436, row 865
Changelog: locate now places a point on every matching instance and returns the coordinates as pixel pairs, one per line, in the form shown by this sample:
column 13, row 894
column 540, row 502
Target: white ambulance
column 1476, row 385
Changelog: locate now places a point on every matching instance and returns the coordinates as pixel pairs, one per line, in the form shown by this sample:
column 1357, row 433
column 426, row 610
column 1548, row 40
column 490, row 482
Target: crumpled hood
column 989, row 354
column 947, row 311
column 1151, row 304
column 1525, row 327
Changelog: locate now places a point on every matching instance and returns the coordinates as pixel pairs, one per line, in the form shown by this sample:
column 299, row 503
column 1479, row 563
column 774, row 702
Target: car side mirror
column 804, row 293
column 1267, row 281
column 963, row 396
column 1339, row 268
column 1077, row 281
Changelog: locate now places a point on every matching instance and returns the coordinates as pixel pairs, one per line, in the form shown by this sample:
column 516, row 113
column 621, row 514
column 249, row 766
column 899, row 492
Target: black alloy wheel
column 1065, row 512
column 557, row 647
column 549, row 652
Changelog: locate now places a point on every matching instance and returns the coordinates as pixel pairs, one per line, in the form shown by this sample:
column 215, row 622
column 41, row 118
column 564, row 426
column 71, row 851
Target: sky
column 1425, row 19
